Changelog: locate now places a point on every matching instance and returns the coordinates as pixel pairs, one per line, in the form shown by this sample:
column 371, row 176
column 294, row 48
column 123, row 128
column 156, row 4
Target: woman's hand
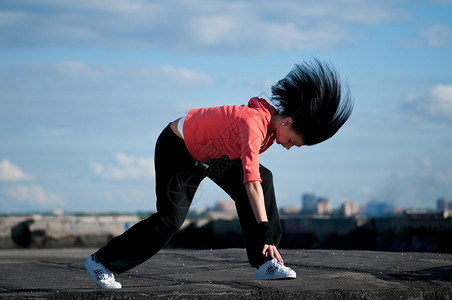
column 256, row 197
column 272, row 251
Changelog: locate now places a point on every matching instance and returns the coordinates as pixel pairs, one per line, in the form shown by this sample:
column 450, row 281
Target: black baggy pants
column 178, row 176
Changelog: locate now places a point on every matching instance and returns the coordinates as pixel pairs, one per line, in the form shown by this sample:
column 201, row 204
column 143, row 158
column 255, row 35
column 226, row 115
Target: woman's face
column 286, row 136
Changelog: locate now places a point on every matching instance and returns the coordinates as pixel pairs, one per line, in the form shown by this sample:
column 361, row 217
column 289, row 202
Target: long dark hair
column 313, row 96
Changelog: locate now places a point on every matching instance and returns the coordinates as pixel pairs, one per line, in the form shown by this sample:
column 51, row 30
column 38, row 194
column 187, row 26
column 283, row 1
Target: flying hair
column 313, row 96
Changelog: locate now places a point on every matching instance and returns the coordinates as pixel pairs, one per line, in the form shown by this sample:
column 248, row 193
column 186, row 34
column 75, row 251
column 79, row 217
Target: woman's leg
column 177, row 178
column 228, row 174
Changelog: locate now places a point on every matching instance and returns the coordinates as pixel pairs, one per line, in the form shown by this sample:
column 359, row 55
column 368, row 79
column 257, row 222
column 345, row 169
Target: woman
column 224, row 143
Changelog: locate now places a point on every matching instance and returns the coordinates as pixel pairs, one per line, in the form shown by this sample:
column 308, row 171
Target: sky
column 87, row 86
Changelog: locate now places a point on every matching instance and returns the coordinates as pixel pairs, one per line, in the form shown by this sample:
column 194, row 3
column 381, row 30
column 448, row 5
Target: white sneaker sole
column 276, row 277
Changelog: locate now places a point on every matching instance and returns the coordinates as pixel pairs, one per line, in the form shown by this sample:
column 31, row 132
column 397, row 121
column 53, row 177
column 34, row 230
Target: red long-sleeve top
column 232, row 130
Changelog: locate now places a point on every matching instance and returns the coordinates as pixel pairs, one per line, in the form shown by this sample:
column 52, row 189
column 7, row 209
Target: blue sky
column 86, row 87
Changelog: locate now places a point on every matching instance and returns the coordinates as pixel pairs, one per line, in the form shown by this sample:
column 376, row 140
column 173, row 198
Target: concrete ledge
column 219, row 274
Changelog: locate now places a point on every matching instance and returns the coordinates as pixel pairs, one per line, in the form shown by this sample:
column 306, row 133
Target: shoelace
column 110, row 277
column 103, row 275
column 280, row 265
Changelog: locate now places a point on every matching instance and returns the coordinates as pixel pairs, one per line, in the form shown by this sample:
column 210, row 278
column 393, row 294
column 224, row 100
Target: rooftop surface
column 225, row 273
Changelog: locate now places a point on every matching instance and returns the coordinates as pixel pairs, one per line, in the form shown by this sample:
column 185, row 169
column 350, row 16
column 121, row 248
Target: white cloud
column 71, row 71
column 33, row 194
column 427, row 162
column 208, row 26
column 29, row 194
column 437, row 35
column 440, row 101
column 185, row 77
column 442, row 2
column 366, row 190
column 126, row 167
column 167, row 74
column 75, row 69
column 9, row 172
column 437, row 105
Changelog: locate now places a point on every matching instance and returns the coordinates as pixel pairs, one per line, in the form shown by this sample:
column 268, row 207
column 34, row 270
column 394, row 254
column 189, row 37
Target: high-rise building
column 379, row 209
column 349, row 209
column 443, row 204
column 323, row 206
column 309, row 203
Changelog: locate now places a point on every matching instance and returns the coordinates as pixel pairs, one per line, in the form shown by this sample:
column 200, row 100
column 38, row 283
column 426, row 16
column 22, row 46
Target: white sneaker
column 101, row 275
column 273, row 269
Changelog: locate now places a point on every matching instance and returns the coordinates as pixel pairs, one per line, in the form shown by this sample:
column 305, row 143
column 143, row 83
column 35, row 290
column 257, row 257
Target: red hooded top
column 235, row 131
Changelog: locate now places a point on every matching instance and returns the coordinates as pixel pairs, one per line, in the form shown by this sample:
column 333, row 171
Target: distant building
column 425, row 214
column 224, row 209
column 349, row 209
column 290, row 210
column 224, row 205
column 443, row 204
column 323, row 206
column 309, row 203
column 379, row 209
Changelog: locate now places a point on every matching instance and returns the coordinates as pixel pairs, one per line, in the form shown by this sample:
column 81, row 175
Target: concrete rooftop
column 220, row 274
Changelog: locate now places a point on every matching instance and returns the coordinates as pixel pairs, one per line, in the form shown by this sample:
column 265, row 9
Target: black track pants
column 178, row 176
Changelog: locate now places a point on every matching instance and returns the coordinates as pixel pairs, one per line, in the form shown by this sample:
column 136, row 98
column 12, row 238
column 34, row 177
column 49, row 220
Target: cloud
column 9, row 172
column 201, row 26
column 185, row 77
column 74, row 69
column 442, row 2
column 181, row 77
column 437, row 35
column 366, row 190
column 30, row 194
column 33, row 194
column 427, row 162
column 437, row 105
column 440, row 101
column 71, row 72
column 126, row 167
column 415, row 184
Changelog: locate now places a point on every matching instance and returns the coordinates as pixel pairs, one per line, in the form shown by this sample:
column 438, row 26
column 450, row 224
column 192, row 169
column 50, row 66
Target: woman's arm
column 256, row 198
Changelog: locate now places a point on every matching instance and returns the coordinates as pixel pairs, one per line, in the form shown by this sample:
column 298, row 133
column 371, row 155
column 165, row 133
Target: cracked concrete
column 220, row 274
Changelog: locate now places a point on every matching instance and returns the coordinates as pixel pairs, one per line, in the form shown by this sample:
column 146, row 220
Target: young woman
column 223, row 144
